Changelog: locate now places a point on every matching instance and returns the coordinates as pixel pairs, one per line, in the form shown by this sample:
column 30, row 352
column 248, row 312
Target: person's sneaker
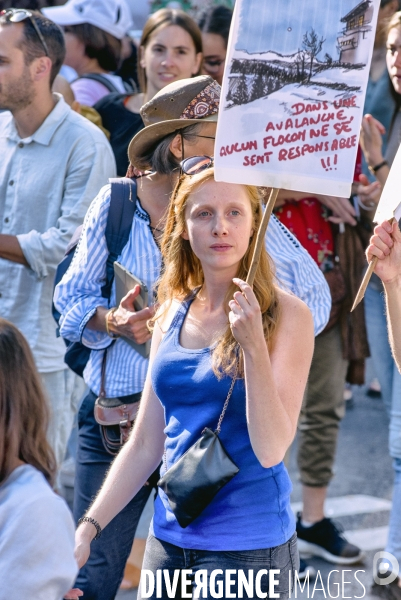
column 390, row 591
column 374, row 390
column 304, row 569
column 325, row 539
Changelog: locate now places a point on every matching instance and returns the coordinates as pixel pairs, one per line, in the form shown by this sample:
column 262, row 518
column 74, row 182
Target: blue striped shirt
column 79, row 293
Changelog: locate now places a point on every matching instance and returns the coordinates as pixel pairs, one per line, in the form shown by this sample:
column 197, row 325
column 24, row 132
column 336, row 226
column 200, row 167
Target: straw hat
column 178, row 105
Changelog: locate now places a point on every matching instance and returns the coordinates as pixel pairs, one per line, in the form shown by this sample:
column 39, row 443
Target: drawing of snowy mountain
column 257, row 75
column 270, row 56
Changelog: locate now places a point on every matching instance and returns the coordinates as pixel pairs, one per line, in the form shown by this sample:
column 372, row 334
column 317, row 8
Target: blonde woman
column 210, row 325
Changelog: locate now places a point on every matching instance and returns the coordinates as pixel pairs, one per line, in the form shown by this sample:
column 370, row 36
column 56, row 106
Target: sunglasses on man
column 17, row 15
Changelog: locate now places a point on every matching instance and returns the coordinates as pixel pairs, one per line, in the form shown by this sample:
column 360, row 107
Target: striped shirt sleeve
column 298, row 273
column 78, row 294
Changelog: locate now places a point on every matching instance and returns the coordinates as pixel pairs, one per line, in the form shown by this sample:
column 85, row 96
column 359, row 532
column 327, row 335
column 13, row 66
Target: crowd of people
column 82, row 101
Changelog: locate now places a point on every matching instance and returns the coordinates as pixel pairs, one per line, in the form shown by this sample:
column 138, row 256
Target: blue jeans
column 394, row 535
column 161, row 555
column 387, row 372
column 100, row 578
column 390, row 382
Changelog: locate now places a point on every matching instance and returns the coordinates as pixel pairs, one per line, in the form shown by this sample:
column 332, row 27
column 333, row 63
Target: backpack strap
column 74, row 240
column 130, row 88
column 119, row 223
column 100, row 79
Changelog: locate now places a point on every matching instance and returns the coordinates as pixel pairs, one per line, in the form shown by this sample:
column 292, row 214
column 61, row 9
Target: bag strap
column 230, row 391
column 102, row 391
column 130, row 88
column 105, row 81
column 119, row 224
column 223, row 412
column 118, row 229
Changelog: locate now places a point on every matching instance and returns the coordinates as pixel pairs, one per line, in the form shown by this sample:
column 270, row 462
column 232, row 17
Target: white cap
column 112, row 16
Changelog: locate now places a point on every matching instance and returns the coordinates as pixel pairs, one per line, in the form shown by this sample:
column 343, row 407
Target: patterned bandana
column 205, row 104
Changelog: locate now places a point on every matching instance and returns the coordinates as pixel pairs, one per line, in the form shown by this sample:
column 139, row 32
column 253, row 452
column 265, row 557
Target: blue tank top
column 250, row 512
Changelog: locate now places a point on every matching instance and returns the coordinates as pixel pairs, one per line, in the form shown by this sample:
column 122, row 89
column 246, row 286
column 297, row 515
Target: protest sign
column 390, row 201
column 389, row 208
column 293, row 93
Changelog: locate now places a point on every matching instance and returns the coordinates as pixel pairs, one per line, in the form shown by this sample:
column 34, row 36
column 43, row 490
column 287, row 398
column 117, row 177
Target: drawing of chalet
column 353, row 43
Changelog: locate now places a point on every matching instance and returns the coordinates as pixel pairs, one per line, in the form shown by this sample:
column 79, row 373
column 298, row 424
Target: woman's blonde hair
column 24, row 413
column 183, row 271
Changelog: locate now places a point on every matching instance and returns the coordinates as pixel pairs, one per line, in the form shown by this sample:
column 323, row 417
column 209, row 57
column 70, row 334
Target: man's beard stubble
column 18, row 94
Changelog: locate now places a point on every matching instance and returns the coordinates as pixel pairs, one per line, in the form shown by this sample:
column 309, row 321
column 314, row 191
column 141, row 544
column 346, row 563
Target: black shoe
column 324, row 539
column 390, row 591
column 373, row 393
column 374, row 390
column 304, row 569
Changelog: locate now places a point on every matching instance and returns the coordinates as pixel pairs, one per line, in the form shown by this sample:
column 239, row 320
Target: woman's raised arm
column 275, row 381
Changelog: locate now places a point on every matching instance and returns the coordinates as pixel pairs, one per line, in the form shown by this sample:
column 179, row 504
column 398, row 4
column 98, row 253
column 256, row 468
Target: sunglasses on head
column 17, row 15
column 196, row 164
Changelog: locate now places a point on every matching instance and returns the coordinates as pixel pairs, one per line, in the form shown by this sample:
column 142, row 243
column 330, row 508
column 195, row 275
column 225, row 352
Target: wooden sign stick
column 366, row 279
column 364, row 283
column 260, row 240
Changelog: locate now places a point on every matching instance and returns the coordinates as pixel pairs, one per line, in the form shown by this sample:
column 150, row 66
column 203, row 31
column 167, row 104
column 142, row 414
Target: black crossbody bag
column 194, row 480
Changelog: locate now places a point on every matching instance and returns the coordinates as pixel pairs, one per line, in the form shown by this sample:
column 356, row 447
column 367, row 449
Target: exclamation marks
column 326, row 164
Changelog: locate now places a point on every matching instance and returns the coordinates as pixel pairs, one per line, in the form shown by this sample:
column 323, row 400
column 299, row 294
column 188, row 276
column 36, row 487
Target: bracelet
column 94, row 523
column 110, row 333
column 374, row 169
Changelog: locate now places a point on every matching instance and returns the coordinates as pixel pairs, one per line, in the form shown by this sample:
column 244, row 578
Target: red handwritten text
column 243, row 147
column 256, row 159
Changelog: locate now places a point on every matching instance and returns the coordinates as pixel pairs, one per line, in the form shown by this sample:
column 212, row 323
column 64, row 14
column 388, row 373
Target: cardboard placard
column 390, row 201
column 293, row 93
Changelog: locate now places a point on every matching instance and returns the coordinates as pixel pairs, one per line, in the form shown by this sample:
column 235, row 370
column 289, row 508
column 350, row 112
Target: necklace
column 155, row 229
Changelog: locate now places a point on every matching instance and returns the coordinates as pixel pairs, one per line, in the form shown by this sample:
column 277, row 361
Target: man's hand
column 369, row 193
column 128, row 322
column 386, row 245
column 342, row 209
column 74, row 594
column 371, row 140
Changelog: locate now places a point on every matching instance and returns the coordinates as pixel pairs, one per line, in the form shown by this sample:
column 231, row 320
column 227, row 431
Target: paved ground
column 359, row 497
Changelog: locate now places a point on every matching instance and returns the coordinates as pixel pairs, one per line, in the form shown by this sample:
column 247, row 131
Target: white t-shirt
column 88, row 91
column 36, row 539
